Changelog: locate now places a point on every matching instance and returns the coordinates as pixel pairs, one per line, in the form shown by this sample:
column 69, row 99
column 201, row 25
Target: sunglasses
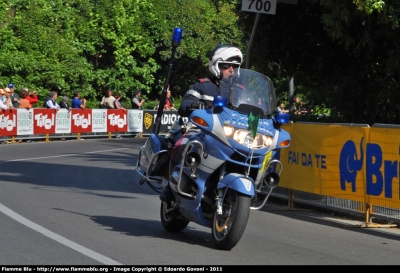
column 226, row 66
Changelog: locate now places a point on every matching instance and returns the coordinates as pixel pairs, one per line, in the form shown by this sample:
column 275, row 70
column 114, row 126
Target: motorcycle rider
column 222, row 62
column 223, row 59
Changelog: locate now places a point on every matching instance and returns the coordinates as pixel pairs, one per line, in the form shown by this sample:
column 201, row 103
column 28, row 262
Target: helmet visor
column 228, row 65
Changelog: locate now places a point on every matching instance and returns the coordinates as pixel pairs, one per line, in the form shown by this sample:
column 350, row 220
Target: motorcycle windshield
column 251, row 92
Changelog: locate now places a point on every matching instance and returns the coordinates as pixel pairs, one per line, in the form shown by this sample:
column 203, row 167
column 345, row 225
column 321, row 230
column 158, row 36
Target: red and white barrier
column 39, row 121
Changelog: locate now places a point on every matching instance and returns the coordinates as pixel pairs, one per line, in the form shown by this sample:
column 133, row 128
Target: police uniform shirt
column 203, row 90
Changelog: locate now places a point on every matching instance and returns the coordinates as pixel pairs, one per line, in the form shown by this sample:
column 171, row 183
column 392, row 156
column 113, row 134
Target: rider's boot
column 166, row 194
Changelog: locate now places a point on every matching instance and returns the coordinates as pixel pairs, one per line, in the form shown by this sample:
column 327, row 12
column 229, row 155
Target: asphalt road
column 79, row 202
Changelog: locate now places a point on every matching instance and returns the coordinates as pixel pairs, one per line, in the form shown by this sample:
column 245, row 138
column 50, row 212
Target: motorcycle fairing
column 191, row 208
column 218, row 130
column 238, row 182
column 210, row 164
column 241, row 121
column 283, row 135
column 176, row 152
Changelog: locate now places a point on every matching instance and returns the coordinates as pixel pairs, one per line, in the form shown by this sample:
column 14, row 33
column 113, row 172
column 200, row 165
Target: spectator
column 136, row 101
column 169, row 103
column 2, row 100
column 117, row 103
column 15, row 99
column 50, row 102
column 32, row 97
column 64, row 103
column 303, row 108
column 77, row 102
column 296, row 105
column 281, row 108
column 108, row 100
column 7, row 100
column 24, row 102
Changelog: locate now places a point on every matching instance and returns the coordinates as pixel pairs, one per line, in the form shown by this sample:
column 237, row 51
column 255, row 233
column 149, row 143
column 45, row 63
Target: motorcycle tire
column 229, row 227
column 170, row 220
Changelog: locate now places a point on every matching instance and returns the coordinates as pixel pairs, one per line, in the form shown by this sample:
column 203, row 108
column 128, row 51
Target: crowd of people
column 10, row 99
column 299, row 107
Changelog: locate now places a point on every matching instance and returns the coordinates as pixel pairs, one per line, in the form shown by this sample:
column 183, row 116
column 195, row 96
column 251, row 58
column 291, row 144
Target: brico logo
column 116, row 120
column 81, row 120
column 45, row 121
column 351, row 162
column 7, row 123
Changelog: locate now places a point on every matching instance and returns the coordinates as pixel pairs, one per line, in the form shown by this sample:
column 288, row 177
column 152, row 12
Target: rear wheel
column 171, row 219
column 229, row 227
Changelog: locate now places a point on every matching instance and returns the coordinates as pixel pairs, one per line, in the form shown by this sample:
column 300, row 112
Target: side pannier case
column 153, row 157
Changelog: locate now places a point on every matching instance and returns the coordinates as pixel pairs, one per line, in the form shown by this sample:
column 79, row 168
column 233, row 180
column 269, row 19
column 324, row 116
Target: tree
column 124, row 45
column 204, row 26
column 339, row 53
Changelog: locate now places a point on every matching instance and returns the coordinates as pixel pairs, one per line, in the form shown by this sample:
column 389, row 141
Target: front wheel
column 229, row 227
column 170, row 218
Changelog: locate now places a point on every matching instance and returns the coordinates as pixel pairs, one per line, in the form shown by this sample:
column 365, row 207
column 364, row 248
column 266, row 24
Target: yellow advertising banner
column 312, row 162
column 382, row 167
column 356, row 163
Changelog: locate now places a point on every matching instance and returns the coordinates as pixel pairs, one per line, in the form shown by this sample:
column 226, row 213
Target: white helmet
column 224, row 53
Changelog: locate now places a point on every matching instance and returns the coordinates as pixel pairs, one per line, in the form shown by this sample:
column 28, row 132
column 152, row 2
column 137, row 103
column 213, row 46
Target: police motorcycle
column 220, row 164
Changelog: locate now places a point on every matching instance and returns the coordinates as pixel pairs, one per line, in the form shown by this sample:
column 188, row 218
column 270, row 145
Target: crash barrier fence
column 349, row 166
column 18, row 124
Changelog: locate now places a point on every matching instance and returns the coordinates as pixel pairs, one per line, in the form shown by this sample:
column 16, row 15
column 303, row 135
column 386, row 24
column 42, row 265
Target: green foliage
column 73, row 45
column 343, row 55
column 369, row 6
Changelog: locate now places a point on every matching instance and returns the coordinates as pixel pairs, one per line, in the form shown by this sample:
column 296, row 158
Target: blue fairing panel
column 239, row 183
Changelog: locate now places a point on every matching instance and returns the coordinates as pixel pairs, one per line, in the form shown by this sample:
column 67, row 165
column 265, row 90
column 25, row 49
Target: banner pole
column 176, row 39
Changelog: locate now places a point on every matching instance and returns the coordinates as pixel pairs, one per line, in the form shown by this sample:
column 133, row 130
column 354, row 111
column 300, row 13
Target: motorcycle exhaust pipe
column 272, row 180
column 192, row 160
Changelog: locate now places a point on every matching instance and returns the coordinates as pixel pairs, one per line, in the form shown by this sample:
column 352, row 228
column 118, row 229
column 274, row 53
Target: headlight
column 245, row 138
column 229, row 131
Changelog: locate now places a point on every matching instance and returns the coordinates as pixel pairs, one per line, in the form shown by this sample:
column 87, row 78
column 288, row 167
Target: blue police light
column 176, row 37
column 220, row 101
column 282, row 117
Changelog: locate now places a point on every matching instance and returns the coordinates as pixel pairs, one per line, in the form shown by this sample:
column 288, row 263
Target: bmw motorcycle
column 221, row 163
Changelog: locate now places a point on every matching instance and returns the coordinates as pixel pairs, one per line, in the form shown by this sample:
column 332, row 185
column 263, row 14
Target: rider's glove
column 198, row 105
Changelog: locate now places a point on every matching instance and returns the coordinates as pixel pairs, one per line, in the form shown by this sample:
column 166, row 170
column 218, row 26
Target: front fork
column 219, row 200
column 238, row 182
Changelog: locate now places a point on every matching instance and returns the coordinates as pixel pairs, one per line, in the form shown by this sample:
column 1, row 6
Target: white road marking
column 85, row 251
column 94, row 255
column 55, row 156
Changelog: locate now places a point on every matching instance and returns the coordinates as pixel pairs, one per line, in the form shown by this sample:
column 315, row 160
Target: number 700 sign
column 261, row 6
